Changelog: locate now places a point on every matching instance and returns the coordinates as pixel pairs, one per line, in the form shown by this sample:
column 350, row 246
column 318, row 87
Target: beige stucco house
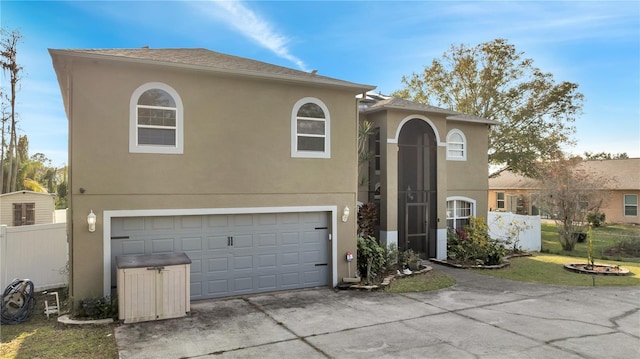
column 428, row 171
column 22, row 208
column 518, row 194
column 251, row 169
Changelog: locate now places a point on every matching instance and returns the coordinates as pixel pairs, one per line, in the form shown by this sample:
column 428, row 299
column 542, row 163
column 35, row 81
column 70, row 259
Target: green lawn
column 549, row 269
column 431, row 280
column 39, row 337
column 604, row 237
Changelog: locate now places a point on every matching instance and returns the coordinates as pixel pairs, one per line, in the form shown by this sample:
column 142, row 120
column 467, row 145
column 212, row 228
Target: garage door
column 233, row 254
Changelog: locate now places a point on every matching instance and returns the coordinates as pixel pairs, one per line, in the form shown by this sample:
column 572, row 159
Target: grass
column 548, row 269
column 604, row 237
column 40, row 337
column 431, row 280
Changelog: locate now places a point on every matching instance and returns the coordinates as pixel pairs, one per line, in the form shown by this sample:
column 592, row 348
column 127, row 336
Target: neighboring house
column 24, row 208
column 514, row 193
column 249, row 168
column 428, row 171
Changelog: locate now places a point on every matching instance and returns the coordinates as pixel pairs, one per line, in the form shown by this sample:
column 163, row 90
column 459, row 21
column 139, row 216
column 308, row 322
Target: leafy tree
column 570, row 194
column 8, row 60
column 493, row 81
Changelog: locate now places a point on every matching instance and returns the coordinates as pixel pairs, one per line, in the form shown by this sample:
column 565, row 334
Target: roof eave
column 357, row 88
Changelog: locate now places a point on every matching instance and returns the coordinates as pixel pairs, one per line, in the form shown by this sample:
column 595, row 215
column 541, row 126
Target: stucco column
column 389, row 193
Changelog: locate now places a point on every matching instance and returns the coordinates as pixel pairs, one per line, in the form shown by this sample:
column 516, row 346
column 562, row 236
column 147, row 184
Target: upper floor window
column 459, row 212
column 310, row 129
column 631, row 205
column 456, row 146
column 156, row 123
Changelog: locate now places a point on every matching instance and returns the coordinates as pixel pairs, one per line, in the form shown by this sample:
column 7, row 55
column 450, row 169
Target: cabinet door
column 137, row 294
column 172, row 292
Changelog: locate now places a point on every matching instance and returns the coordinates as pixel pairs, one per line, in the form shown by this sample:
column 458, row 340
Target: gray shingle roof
column 212, row 61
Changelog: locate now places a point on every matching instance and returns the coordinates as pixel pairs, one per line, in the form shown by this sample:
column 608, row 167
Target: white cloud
column 252, row 25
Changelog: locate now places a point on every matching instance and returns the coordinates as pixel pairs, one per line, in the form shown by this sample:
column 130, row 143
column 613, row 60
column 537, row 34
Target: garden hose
column 18, row 301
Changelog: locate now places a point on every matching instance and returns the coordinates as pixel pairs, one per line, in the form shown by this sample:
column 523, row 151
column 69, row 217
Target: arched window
column 156, row 123
column 310, row 123
column 459, row 210
column 456, row 146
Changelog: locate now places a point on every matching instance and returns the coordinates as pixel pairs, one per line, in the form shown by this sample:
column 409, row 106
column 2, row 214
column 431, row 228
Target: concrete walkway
column 479, row 317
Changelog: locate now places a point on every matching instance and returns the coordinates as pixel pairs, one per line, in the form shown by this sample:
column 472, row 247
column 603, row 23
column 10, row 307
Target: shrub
column 97, row 308
column 472, row 245
column 371, row 258
column 596, row 219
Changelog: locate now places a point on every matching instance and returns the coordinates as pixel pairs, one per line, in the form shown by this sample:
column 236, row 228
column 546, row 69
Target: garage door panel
column 189, row 222
column 290, row 238
column 267, row 282
column 217, row 288
column 243, row 285
column 217, row 265
column 235, row 254
column 242, row 241
column 218, row 243
column 162, row 223
column 164, row 245
column 267, row 239
column 267, row 261
column 242, row 263
column 243, row 220
column 190, row 244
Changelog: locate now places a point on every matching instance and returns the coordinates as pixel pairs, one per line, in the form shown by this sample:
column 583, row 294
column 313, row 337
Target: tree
column 493, row 81
column 570, row 194
column 8, row 59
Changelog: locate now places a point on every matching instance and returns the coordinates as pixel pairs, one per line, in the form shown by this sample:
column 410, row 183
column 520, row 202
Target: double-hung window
column 631, row 205
column 310, row 124
column 500, row 200
column 459, row 212
column 156, row 123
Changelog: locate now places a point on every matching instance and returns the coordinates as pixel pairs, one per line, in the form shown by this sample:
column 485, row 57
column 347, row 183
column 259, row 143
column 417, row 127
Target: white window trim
column 294, row 130
column 624, row 204
column 461, row 198
column 464, row 146
column 503, row 200
column 133, row 121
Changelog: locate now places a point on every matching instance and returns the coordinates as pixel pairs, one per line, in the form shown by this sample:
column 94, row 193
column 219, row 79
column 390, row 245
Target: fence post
column 3, row 255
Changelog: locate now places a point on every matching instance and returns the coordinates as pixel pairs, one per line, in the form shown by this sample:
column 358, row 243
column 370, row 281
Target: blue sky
column 594, row 44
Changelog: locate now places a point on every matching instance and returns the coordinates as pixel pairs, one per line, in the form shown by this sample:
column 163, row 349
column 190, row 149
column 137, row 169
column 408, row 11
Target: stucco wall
column 237, row 138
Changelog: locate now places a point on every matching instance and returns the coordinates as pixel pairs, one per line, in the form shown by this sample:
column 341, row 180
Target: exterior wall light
column 345, row 214
column 91, row 221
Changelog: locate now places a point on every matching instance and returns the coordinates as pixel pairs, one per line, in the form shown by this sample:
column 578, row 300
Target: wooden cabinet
column 153, row 287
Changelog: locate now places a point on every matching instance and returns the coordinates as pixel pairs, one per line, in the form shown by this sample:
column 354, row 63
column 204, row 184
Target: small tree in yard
column 570, row 194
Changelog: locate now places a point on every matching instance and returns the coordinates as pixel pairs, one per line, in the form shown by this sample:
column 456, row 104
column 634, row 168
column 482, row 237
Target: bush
column 372, row 258
column 596, row 219
column 472, row 245
column 579, row 237
column 629, row 246
column 97, row 308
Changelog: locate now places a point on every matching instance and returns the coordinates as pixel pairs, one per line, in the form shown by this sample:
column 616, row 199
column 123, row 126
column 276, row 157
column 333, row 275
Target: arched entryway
column 417, row 193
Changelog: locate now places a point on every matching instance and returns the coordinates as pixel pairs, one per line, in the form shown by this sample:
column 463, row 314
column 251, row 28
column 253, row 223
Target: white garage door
column 233, row 254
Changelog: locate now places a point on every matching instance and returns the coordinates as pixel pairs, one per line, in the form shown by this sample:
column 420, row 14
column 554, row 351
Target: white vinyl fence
column 508, row 226
column 36, row 252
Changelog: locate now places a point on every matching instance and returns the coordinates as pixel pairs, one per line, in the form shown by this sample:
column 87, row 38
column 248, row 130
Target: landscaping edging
column 387, row 280
column 609, row 270
column 466, row 266
column 65, row 319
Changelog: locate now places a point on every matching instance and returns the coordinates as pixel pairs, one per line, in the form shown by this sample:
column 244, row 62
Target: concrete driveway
column 480, row 317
